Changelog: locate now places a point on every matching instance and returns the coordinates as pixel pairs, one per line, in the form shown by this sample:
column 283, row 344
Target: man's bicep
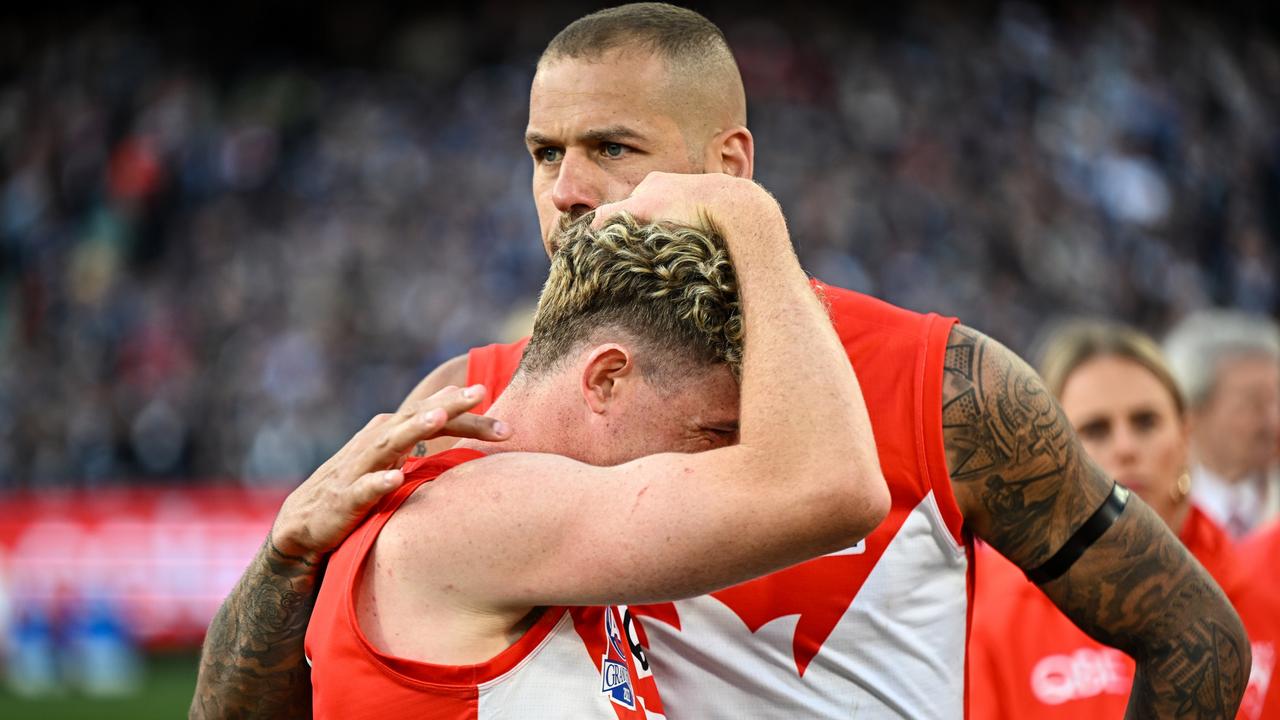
column 1020, row 476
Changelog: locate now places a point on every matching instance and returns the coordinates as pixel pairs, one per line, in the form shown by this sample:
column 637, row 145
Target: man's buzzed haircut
column 693, row 46
column 674, row 32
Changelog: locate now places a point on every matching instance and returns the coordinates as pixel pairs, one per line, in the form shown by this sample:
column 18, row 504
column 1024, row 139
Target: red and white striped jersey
column 573, row 662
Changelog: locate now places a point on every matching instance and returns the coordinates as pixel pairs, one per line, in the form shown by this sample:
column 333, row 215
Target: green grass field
column 166, row 693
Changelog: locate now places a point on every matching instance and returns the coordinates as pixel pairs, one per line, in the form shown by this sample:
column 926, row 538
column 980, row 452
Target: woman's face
column 1130, row 426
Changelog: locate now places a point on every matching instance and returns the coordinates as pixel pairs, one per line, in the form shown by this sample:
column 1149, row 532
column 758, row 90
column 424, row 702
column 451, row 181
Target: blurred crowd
column 221, row 272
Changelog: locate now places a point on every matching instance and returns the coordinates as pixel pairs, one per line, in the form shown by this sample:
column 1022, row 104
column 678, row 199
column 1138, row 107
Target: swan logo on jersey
column 616, row 679
column 819, row 592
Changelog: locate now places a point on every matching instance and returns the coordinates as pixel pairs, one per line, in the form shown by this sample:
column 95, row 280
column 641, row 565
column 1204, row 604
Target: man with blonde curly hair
column 478, row 558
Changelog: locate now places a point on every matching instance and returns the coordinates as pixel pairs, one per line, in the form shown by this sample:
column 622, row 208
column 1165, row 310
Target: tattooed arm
column 251, row 664
column 1025, row 486
column 252, row 661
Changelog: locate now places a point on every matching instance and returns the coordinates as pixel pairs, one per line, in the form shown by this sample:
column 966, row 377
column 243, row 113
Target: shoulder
column 451, row 372
column 1211, row 545
column 851, row 310
column 1020, row 477
column 464, row 475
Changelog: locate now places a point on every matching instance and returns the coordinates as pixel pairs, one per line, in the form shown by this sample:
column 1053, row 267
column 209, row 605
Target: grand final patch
column 616, row 678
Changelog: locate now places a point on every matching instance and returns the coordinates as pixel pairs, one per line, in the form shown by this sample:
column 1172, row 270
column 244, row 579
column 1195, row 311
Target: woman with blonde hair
column 1026, row 658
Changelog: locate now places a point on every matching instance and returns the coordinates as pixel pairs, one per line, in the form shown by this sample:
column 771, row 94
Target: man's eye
column 548, row 154
column 614, row 150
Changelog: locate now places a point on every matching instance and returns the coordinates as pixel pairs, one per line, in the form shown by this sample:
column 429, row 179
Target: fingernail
column 473, row 392
column 390, row 478
column 500, row 427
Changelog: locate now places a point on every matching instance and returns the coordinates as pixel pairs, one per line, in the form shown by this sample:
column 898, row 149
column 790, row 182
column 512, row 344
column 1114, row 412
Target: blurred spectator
column 219, row 258
column 1124, row 404
column 1228, row 363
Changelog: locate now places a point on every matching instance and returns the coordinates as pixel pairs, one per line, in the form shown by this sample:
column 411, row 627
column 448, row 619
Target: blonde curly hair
column 670, row 288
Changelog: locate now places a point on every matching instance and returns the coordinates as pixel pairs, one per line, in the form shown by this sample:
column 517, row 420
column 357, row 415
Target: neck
column 1177, row 519
column 538, row 420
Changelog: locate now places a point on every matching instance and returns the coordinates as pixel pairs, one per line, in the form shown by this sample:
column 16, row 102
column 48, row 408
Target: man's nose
column 578, row 186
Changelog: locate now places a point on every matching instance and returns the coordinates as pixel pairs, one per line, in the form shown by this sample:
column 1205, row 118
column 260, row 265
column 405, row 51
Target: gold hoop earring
column 1182, row 489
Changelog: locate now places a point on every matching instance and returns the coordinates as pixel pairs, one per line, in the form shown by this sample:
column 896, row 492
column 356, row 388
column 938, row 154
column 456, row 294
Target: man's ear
column 606, row 365
column 732, row 152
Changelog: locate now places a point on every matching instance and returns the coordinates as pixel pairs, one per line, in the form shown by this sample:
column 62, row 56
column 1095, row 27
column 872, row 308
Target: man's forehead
column 638, row 63
column 610, row 84
column 557, row 133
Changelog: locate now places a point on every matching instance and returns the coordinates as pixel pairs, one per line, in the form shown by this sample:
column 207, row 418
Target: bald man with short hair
column 970, row 441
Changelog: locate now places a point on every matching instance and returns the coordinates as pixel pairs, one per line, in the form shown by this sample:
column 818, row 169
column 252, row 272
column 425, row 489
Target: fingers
column 365, row 492
column 479, row 427
column 399, row 437
column 394, row 439
column 453, row 400
column 442, row 392
column 642, row 209
column 607, row 212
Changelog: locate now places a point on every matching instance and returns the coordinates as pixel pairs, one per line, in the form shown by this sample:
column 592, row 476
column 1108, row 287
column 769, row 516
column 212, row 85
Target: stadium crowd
column 213, row 272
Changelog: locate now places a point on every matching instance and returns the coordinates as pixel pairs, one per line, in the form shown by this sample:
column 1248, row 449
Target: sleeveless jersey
column 573, row 662
column 873, row 631
column 1029, row 661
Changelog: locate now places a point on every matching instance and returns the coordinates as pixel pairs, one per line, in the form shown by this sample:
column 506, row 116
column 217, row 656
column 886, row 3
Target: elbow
column 857, row 502
column 1223, row 624
column 874, row 501
column 1211, row 641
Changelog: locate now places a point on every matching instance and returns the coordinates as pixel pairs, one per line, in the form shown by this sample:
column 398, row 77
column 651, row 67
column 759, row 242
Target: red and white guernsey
column 573, row 662
column 874, row 631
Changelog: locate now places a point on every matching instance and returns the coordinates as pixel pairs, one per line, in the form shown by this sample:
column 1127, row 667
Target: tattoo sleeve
column 1025, row 485
column 252, row 663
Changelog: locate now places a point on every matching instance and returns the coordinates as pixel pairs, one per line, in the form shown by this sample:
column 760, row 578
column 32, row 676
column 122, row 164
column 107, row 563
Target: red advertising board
column 162, row 558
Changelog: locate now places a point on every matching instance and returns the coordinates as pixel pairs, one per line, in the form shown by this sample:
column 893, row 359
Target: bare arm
column 522, row 529
column 451, row 374
column 1025, row 486
column 251, row 664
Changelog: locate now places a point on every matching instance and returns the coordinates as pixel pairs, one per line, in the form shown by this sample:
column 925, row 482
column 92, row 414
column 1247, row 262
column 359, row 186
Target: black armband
column 1092, row 529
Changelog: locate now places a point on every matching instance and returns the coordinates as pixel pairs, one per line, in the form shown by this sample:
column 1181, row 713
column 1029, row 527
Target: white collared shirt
column 1238, row 507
